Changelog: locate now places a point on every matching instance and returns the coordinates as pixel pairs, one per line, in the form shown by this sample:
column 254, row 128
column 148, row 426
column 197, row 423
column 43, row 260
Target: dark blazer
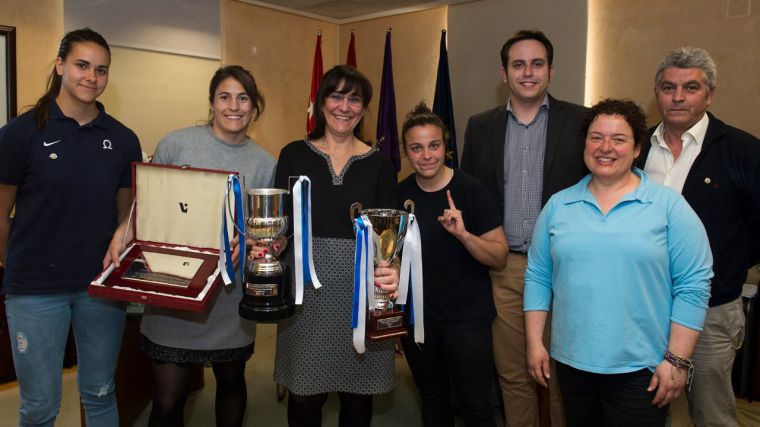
column 483, row 152
column 723, row 188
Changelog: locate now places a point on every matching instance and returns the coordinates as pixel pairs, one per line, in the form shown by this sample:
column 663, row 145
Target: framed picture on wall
column 7, row 73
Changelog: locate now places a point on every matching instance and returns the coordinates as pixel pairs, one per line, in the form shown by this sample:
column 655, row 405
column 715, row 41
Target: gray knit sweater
column 220, row 327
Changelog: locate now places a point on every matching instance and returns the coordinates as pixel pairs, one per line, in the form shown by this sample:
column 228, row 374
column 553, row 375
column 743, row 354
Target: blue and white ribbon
column 364, row 278
column 410, row 276
column 303, row 252
column 225, row 250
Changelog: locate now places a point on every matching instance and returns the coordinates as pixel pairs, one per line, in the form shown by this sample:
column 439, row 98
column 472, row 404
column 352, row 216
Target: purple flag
column 387, row 131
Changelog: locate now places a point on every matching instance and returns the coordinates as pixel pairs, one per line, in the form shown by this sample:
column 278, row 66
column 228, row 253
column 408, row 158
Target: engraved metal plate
column 389, row 322
column 261, row 289
column 138, row 270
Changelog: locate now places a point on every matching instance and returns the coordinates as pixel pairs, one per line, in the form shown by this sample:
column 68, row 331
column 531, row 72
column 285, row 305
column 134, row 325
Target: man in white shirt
column 717, row 169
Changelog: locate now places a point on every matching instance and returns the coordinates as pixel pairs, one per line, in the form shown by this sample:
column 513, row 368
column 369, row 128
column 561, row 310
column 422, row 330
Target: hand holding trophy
column 383, row 231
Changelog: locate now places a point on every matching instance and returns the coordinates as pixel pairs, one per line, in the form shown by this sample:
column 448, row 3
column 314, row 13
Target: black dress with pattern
column 315, row 352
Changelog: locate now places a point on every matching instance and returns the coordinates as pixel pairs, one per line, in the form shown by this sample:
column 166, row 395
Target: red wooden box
column 173, row 260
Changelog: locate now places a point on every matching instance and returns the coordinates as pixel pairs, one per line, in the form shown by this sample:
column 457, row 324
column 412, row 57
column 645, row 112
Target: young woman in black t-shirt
column 462, row 238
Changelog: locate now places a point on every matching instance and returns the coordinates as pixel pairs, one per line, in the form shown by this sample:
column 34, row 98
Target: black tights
column 306, row 411
column 172, row 381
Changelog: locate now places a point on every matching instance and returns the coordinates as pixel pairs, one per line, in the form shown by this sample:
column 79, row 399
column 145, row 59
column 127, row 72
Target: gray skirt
column 315, row 352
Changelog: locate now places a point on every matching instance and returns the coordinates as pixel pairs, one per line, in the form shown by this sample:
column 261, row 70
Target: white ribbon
column 411, row 259
column 364, row 279
column 302, row 247
column 374, row 242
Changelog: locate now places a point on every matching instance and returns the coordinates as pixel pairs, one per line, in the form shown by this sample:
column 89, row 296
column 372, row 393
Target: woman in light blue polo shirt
column 624, row 265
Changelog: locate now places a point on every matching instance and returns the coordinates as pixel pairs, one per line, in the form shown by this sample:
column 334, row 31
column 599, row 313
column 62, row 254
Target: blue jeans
column 39, row 326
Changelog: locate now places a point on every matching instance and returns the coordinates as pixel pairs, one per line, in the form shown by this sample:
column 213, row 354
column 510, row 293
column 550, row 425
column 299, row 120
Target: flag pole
column 316, row 77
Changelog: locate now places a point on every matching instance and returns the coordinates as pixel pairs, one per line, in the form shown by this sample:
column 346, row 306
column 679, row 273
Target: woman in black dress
column 315, row 354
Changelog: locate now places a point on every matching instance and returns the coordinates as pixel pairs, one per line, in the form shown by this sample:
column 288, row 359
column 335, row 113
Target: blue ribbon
column 239, row 221
column 360, row 230
column 306, row 232
column 227, row 250
column 229, row 269
column 411, row 303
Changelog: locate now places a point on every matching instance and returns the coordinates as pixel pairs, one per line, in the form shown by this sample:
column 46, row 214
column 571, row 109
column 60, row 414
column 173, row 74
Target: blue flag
column 387, row 131
column 442, row 105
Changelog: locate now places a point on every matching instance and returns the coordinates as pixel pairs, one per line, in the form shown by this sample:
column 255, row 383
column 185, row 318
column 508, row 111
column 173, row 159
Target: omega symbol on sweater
column 107, row 144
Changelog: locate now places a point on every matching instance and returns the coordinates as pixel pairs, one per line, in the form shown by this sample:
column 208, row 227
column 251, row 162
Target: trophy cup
column 266, row 294
column 384, row 319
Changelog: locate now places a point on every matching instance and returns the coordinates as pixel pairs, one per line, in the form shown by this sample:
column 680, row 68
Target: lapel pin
column 708, row 180
column 53, row 156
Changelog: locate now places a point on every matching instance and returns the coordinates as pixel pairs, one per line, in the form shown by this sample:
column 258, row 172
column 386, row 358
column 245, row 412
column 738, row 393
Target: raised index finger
column 451, row 201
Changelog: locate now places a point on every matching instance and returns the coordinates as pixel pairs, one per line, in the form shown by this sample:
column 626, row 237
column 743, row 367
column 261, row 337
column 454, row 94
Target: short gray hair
column 689, row 57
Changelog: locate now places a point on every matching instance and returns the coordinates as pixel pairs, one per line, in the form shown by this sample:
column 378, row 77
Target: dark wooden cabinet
column 753, row 331
column 6, row 357
column 746, row 371
column 134, row 380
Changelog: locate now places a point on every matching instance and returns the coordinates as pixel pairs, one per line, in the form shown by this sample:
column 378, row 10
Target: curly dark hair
column 625, row 108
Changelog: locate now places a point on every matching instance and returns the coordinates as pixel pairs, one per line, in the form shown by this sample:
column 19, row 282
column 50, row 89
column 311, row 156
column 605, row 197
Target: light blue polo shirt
column 616, row 281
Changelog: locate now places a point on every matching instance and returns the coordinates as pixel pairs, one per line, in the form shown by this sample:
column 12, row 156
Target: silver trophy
column 388, row 230
column 266, row 295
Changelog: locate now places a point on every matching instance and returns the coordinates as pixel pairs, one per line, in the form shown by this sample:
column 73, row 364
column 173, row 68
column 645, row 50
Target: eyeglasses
column 338, row 98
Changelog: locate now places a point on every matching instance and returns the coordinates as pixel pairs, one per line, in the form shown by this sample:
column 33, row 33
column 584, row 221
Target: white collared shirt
column 660, row 164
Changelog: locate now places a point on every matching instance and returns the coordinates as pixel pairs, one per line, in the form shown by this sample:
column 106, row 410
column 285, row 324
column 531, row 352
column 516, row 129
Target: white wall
column 476, row 33
column 163, row 54
column 154, row 93
column 186, row 27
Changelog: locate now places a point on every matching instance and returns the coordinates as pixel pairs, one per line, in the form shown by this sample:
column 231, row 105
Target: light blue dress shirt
column 618, row 280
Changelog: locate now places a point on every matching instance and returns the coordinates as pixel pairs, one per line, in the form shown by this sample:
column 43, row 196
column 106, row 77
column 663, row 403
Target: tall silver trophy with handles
column 389, row 227
column 266, row 293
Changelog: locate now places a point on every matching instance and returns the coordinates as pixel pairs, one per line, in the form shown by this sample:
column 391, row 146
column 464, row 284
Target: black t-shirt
column 457, row 288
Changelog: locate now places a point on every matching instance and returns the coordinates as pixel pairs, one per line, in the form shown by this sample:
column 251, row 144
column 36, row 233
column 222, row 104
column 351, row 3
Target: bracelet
column 683, row 363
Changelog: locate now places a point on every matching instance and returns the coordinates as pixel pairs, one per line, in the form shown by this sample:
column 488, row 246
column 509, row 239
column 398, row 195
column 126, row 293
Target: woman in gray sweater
column 220, row 338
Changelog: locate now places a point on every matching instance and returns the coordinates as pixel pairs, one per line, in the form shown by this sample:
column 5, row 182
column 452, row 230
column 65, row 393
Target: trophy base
column 251, row 311
column 384, row 324
column 266, row 298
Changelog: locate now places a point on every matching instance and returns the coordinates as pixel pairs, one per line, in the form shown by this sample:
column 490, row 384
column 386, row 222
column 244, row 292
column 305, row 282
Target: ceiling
column 344, row 11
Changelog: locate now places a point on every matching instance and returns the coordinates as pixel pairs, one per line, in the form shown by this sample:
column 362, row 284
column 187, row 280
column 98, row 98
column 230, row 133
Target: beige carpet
column 397, row 409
